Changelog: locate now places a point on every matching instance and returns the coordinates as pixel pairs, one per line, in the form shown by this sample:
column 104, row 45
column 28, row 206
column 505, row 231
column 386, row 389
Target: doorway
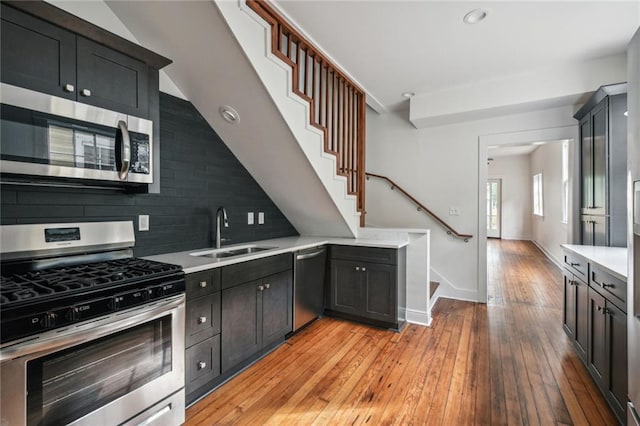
column 494, row 208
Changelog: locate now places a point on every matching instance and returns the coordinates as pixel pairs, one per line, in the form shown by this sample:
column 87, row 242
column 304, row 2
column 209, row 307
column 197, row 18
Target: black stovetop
column 57, row 282
column 35, row 301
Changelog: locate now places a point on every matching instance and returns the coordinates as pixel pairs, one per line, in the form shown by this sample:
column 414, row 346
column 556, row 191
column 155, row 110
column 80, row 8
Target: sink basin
column 222, row 253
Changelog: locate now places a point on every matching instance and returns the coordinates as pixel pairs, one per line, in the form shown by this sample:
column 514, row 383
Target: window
column 565, row 181
column 537, row 194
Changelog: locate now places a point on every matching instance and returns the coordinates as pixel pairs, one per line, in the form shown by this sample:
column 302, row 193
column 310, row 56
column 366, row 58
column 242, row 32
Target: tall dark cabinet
column 603, row 163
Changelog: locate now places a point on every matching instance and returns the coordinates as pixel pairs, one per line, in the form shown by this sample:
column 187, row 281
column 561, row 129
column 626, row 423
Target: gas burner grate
column 77, row 278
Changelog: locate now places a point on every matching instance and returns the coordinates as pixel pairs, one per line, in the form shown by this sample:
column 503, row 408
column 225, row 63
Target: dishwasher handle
column 310, row 255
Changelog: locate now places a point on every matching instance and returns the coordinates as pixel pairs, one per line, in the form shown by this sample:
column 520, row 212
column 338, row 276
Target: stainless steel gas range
column 89, row 334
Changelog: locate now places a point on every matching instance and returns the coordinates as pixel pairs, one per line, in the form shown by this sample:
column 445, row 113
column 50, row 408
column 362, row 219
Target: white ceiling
column 509, row 150
column 391, row 47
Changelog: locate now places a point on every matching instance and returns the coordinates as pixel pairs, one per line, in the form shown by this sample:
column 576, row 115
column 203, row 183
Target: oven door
column 121, row 369
column 44, row 135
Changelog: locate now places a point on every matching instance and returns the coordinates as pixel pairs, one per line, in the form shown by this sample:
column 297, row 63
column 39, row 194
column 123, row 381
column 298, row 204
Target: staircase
column 323, row 108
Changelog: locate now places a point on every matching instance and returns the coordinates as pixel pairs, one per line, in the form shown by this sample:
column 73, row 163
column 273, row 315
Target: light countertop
column 191, row 263
column 613, row 259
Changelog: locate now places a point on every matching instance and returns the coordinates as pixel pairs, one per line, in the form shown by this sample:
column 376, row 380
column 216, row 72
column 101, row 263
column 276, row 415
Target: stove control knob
column 114, row 303
column 73, row 314
column 48, row 320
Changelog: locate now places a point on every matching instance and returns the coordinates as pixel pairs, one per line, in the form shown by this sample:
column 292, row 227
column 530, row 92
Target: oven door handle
column 56, row 340
column 123, row 150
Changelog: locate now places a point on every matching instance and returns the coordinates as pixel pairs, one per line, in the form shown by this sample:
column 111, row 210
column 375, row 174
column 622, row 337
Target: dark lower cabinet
column 241, row 336
column 371, row 291
column 255, row 315
column 202, row 330
column 575, row 312
column 594, row 319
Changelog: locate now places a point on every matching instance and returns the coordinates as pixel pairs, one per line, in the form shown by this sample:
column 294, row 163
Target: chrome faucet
column 220, row 214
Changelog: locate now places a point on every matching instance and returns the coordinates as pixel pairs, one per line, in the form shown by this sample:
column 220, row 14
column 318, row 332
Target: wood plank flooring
column 504, row 363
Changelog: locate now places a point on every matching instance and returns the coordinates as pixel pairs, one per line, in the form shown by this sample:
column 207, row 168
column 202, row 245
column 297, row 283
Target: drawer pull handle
column 203, row 284
column 202, row 365
column 69, row 88
column 260, row 288
column 364, row 269
column 357, row 268
column 574, row 264
column 572, row 282
column 86, row 92
column 267, row 286
column 202, row 320
column 606, row 311
column 607, row 285
column 599, row 308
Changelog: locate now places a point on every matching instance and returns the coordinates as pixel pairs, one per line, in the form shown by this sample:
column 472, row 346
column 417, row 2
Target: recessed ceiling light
column 408, row 94
column 229, row 114
column 475, row 16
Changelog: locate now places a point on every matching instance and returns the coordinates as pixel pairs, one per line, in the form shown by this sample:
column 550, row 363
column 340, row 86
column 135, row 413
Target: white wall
column 513, row 170
column 549, row 231
column 440, row 167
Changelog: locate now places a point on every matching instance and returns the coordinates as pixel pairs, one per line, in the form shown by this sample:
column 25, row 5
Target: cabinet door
column 114, row 81
column 36, row 55
column 598, row 354
column 582, row 317
column 617, row 385
column 202, row 363
column 277, row 313
column 569, row 305
column 345, row 291
column 599, row 137
column 379, row 286
column 240, row 333
column 600, row 234
column 586, row 163
column 586, row 230
column 203, row 318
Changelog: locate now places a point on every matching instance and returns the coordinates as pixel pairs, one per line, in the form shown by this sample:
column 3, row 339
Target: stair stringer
column 254, row 36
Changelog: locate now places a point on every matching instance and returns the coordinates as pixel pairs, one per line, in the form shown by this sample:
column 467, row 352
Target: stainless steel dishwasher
column 308, row 285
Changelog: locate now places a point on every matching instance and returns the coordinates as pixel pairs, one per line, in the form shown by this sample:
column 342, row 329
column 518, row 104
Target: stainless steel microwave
column 43, row 135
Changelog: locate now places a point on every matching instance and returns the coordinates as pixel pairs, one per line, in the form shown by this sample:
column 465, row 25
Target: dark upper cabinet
column 76, row 60
column 37, row 55
column 111, row 80
column 603, row 145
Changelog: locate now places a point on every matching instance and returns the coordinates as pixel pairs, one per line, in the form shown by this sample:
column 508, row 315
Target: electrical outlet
column 261, row 218
column 454, row 211
column 250, row 218
column 143, row 222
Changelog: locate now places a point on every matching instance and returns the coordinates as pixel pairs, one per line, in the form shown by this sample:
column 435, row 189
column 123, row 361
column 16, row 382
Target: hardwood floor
column 504, row 363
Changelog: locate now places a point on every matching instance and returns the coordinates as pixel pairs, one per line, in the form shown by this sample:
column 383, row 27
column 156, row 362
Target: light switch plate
column 143, row 222
column 261, row 218
column 454, row 211
column 250, row 218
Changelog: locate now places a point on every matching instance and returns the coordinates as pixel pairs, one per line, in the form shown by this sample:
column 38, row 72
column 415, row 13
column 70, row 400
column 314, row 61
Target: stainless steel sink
column 219, row 254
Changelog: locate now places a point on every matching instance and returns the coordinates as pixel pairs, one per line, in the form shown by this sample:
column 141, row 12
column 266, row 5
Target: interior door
column 494, row 208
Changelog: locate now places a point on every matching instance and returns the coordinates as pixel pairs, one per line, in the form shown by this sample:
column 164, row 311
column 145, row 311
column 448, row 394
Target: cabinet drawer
column 202, row 363
column 203, row 318
column 611, row 285
column 240, row 273
column 200, row 284
column 577, row 265
column 365, row 254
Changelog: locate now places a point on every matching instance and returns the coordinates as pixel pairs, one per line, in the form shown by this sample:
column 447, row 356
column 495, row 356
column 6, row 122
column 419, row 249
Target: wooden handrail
column 337, row 103
column 422, row 207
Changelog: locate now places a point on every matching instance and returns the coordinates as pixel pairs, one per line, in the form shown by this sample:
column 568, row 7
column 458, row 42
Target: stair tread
column 433, row 286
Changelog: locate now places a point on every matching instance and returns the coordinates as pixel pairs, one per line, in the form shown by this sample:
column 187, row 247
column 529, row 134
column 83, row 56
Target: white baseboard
column 418, row 317
column 516, row 237
column 546, row 253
